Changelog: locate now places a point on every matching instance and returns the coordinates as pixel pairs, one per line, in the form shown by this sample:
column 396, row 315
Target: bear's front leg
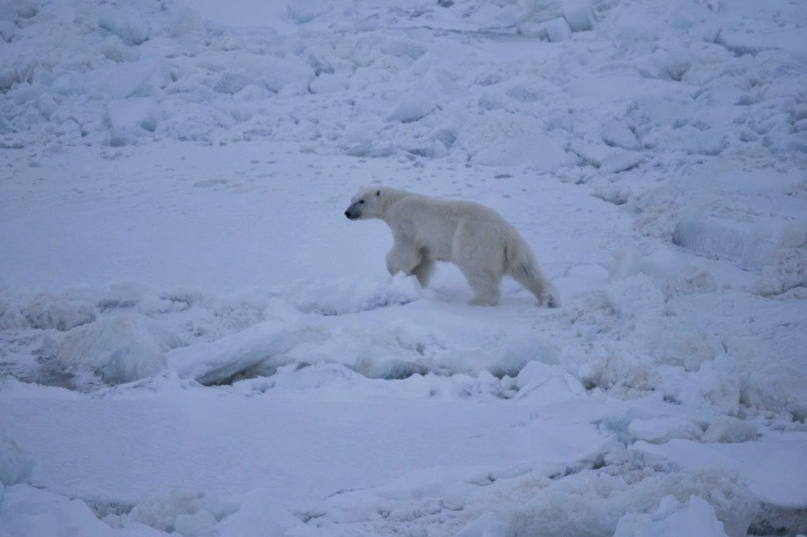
column 423, row 271
column 402, row 258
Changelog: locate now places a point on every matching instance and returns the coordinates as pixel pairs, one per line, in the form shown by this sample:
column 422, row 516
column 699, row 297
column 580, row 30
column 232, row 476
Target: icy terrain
column 195, row 341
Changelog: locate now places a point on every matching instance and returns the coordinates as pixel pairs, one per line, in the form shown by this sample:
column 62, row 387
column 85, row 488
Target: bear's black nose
column 347, row 213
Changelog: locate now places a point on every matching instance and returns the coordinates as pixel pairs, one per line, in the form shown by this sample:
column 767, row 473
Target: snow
column 195, row 341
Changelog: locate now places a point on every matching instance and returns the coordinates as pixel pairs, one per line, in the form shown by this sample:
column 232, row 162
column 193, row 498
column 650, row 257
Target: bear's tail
column 522, row 267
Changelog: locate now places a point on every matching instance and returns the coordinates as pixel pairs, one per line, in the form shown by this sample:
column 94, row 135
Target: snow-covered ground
column 194, row 340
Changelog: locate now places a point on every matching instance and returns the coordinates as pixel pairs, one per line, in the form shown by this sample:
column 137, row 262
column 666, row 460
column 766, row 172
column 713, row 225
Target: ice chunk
column 30, row 512
column 663, row 429
column 329, row 83
column 716, row 385
column 749, row 245
column 545, row 384
column 578, row 15
column 15, row 463
column 280, row 74
column 194, row 525
column 727, row 429
column 124, row 22
column 775, row 388
column 504, row 139
column 608, row 158
column 119, row 349
column 257, row 350
column 555, row 20
column 635, row 296
column 303, row 12
column 351, row 295
column 787, row 268
column 7, row 30
column 518, row 350
column 259, row 514
column 557, row 30
column 47, row 311
column 132, row 118
column 487, row 525
column 769, row 470
column 618, row 134
column 411, row 109
column 697, row 517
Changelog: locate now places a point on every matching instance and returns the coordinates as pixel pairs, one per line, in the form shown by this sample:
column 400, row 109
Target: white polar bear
column 478, row 240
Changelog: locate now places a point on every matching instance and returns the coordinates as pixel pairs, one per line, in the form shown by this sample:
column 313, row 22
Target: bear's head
column 367, row 203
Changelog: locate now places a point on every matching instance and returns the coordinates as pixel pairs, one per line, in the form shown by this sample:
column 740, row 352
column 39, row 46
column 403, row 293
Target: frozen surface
column 195, row 341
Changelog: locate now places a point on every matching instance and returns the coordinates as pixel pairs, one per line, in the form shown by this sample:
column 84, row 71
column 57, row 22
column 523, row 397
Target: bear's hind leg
column 531, row 278
column 485, row 286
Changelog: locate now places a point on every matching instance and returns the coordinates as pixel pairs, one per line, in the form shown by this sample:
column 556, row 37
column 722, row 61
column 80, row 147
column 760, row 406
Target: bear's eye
column 361, row 202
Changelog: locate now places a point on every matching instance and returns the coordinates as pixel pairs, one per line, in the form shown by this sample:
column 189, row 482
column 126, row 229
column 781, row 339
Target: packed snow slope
column 195, row 341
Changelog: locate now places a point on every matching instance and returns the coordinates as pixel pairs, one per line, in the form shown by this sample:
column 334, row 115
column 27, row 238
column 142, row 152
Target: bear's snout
column 353, row 212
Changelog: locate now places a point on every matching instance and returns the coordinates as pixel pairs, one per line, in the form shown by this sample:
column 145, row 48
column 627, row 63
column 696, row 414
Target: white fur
column 477, row 239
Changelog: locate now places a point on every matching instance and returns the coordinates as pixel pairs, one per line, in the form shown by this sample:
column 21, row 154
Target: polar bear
column 477, row 239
